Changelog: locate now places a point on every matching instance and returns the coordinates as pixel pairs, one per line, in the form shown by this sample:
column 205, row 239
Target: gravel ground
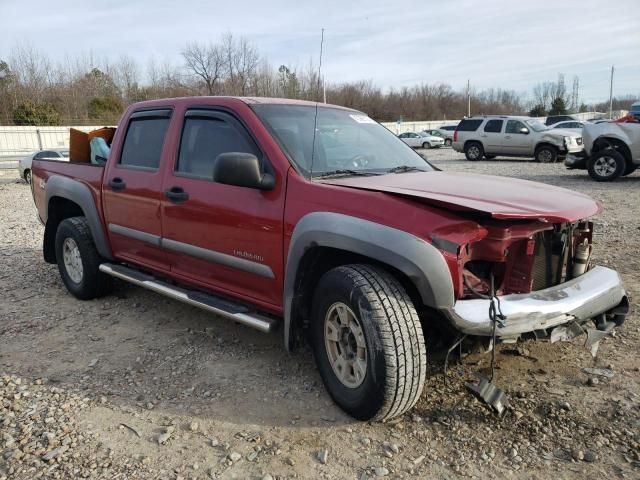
column 138, row 386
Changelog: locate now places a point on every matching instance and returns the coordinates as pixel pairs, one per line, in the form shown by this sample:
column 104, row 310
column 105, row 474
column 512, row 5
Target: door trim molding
column 145, row 237
column 212, row 256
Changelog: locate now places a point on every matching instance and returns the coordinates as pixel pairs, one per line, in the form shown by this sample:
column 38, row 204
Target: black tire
column 395, row 348
column 606, row 165
column 27, row 176
column 546, row 154
column 92, row 283
column 448, row 142
column 473, row 151
column 629, row 169
column 426, row 145
column 489, row 157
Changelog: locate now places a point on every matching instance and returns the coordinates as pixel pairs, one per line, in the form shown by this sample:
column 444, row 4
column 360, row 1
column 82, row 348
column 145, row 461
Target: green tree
column 104, row 108
column 29, row 113
column 289, row 82
column 538, row 111
column 558, row 107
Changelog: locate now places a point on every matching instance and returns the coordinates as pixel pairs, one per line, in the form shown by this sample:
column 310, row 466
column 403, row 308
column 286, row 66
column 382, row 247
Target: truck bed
column 86, row 173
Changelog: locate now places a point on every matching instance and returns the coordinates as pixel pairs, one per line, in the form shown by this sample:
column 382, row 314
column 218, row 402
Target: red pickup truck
column 269, row 211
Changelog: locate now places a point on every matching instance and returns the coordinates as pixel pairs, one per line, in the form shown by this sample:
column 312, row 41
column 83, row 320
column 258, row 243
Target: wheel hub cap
column 605, row 166
column 474, row 152
column 72, row 260
column 345, row 344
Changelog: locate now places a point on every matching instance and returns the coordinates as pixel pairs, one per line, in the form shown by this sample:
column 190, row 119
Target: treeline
column 34, row 90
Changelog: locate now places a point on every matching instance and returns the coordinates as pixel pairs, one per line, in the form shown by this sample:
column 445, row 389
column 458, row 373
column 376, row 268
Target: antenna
column 315, row 120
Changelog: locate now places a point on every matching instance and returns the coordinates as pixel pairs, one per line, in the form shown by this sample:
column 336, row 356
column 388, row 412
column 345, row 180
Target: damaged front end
column 542, row 278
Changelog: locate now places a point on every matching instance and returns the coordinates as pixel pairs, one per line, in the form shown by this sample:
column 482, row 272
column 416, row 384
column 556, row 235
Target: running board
column 219, row 306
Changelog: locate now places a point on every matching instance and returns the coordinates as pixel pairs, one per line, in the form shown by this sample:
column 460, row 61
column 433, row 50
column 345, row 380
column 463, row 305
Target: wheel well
column 319, row 260
column 24, row 173
column 545, row 144
column 473, row 141
column 603, row 143
column 58, row 209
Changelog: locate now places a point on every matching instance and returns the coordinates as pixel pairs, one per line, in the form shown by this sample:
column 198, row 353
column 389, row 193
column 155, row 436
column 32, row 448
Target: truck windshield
column 345, row 140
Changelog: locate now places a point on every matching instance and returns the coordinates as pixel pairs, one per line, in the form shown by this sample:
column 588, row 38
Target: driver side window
column 514, row 126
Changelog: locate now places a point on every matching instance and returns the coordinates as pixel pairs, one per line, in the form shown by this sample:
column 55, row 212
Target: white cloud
column 393, row 43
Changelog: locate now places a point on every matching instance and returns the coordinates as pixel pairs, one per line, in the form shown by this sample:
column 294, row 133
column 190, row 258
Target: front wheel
column 546, row 154
column 27, row 176
column 447, row 142
column 368, row 342
column 606, row 165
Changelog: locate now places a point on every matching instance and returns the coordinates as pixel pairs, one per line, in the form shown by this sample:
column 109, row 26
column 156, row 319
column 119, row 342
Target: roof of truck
column 247, row 100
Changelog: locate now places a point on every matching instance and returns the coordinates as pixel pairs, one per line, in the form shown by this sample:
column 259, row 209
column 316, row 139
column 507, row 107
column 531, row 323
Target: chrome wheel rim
column 473, row 152
column 72, row 259
column 28, row 177
column 605, row 166
column 345, row 344
column 545, row 156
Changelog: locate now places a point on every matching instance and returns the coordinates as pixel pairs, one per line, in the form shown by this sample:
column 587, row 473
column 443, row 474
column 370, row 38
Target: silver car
column 491, row 135
column 573, row 125
column 445, row 132
column 421, row 140
column 24, row 166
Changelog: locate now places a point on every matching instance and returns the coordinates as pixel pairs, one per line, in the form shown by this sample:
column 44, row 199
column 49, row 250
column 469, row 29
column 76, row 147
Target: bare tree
column 206, row 62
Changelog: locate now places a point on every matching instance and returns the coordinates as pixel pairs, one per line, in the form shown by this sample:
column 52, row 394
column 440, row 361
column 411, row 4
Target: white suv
column 490, row 136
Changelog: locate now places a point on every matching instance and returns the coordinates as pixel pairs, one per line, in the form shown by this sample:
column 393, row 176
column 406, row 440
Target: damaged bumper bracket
column 598, row 291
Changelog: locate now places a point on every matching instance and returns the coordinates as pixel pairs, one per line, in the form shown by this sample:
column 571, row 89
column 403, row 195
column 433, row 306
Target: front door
column 222, row 237
column 132, row 191
column 514, row 141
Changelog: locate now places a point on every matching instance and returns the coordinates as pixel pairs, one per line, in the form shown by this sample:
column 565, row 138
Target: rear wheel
column 27, row 176
column 368, row 342
column 426, row 145
column 606, row 165
column 79, row 261
column 546, row 154
column 473, row 151
column 447, row 142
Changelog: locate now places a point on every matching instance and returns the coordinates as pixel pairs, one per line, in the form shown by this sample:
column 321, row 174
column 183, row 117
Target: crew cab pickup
column 314, row 217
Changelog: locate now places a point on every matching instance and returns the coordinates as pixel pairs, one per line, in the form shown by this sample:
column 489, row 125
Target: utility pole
column 611, row 94
column 468, row 98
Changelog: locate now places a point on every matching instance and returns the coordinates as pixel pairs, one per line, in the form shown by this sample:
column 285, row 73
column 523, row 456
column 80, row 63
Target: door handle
column 177, row 195
column 507, row 136
column 483, row 136
column 117, row 183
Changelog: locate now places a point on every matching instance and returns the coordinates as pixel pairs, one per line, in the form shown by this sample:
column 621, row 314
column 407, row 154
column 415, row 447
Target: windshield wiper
column 405, row 168
column 345, row 172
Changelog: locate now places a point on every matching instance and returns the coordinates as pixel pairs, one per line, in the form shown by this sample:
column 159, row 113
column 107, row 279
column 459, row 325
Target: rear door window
column 470, row 125
column 493, row 126
column 143, row 142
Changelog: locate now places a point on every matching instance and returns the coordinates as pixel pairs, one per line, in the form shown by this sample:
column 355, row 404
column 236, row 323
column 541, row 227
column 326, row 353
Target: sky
column 493, row 43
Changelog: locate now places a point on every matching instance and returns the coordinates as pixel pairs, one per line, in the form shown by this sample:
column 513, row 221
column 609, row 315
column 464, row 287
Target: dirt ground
column 87, row 389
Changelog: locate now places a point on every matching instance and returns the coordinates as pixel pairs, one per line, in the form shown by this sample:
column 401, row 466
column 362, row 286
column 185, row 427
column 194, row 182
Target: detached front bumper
column 596, row 292
column 578, row 160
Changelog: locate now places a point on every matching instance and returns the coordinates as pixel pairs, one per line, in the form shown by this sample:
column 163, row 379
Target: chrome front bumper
column 596, row 292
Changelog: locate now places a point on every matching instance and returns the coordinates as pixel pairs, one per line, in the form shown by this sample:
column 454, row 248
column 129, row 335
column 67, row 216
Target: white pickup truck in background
column 611, row 150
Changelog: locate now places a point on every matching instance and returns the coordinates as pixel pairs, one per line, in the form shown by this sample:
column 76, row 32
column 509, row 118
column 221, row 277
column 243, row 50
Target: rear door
column 132, row 190
column 514, row 141
column 222, row 237
column 492, row 136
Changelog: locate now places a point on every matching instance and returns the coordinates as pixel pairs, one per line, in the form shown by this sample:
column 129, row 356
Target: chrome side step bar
column 219, row 306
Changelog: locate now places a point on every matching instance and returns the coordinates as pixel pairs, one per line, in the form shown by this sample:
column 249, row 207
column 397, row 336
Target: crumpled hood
column 501, row 197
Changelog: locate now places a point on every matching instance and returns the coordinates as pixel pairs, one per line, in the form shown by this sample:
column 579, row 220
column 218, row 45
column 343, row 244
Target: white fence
column 19, row 141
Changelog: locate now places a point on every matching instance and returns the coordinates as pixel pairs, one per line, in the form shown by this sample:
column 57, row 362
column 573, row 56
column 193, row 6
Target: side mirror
column 242, row 170
column 524, row 130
